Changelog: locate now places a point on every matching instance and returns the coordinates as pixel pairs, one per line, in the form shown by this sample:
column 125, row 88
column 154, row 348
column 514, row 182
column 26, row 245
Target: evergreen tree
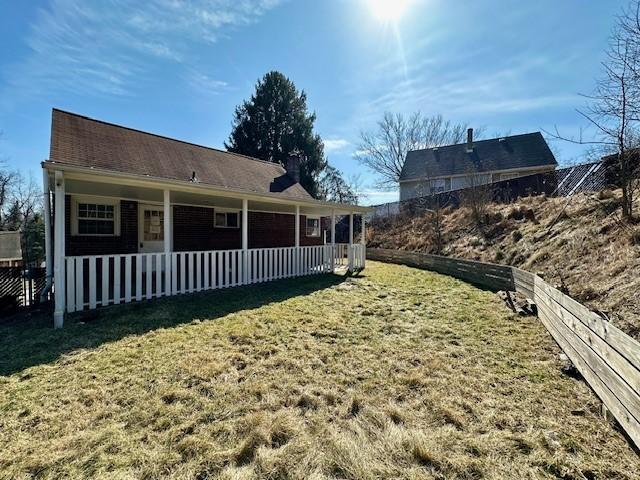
column 13, row 218
column 275, row 123
column 33, row 239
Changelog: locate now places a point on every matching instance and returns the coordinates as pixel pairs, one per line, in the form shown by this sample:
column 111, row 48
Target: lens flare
column 388, row 10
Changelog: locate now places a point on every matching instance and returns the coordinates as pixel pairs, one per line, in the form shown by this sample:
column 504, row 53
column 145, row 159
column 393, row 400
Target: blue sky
column 178, row 68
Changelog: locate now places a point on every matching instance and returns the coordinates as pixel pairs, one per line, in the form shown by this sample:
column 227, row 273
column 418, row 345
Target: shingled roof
column 10, row 248
column 84, row 142
column 513, row 152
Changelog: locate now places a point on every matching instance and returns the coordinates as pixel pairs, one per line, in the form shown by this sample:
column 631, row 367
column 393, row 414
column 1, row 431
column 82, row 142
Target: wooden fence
column 20, row 288
column 607, row 358
column 102, row 280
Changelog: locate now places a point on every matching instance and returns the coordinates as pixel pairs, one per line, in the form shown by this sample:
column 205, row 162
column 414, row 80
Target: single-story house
column 138, row 215
column 10, row 249
column 454, row 167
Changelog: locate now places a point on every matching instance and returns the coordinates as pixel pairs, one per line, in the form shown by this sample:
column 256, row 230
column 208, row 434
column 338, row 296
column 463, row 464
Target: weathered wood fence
column 607, row 358
column 20, row 288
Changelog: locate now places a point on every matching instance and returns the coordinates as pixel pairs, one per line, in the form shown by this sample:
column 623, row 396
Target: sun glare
column 388, row 10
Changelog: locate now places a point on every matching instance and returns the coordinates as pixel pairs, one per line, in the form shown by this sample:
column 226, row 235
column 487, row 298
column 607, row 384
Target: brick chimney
column 292, row 166
column 469, row 140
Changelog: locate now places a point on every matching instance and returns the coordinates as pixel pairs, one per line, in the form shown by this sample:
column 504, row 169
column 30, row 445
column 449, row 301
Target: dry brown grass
column 400, row 373
column 588, row 249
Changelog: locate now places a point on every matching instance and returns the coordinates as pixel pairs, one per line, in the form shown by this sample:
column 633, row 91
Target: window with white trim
column 226, row 219
column 95, row 217
column 313, row 226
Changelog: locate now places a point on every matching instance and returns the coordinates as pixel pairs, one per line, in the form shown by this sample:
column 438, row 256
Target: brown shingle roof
column 10, row 248
column 85, row 142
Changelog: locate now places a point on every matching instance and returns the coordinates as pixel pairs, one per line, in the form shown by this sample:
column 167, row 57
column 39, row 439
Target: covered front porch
column 119, row 239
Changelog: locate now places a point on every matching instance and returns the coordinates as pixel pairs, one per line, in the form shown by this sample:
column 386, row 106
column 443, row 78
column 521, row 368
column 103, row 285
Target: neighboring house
column 463, row 165
column 139, row 215
column 10, row 249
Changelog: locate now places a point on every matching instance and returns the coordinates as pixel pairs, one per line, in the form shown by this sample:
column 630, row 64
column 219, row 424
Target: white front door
column 150, row 229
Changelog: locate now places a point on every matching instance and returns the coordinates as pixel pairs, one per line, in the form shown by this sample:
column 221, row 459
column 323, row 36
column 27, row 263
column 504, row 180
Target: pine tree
column 13, row 218
column 275, row 123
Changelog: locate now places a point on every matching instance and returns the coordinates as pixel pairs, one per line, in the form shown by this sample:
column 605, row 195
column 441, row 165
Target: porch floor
column 394, row 373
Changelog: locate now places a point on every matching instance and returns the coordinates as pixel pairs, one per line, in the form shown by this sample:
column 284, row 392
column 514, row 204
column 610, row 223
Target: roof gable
column 517, row 151
column 84, row 142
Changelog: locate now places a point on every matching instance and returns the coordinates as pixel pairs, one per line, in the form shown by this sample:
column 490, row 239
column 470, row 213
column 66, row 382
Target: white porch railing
column 93, row 281
column 357, row 254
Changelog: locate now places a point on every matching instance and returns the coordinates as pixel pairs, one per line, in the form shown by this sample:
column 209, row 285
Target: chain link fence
column 562, row 182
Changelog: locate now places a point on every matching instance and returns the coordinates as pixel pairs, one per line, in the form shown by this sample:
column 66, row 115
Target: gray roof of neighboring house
column 84, row 142
column 516, row 151
column 10, row 246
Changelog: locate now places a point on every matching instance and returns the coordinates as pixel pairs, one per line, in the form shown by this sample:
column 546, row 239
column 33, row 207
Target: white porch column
column 350, row 228
column 350, row 254
column 297, row 243
column 245, row 241
column 59, row 254
column 296, row 251
column 333, row 227
column 168, row 228
column 363, row 240
column 333, row 239
column 48, row 255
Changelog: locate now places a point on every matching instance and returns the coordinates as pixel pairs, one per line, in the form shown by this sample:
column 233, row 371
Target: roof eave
column 166, row 182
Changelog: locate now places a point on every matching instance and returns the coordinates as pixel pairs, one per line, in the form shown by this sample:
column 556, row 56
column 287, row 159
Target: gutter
column 203, row 188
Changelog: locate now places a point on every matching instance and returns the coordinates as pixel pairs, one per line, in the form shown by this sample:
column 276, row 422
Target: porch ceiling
column 152, row 195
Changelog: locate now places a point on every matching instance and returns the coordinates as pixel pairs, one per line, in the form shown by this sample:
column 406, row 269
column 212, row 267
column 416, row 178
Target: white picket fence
column 356, row 256
column 93, row 281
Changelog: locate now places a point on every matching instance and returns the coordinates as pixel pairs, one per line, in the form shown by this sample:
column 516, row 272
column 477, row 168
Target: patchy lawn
column 399, row 373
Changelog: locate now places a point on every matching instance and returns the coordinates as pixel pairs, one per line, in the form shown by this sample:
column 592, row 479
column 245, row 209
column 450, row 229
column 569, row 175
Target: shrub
column 516, row 235
column 605, row 194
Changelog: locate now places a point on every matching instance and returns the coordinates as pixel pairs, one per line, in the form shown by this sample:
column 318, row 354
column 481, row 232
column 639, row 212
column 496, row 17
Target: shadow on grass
column 33, row 341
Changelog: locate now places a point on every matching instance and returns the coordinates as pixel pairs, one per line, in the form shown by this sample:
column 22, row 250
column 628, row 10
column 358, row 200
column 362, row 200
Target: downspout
column 47, row 237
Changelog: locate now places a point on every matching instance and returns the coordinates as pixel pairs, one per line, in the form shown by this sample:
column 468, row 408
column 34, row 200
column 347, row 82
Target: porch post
column 333, row 239
column 296, row 251
column 166, row 214
column 245, row 240
column 297, row 226
column 48, row 256
column 350, row 228
column 350, row 255
column 363, row 240
column 59, row 265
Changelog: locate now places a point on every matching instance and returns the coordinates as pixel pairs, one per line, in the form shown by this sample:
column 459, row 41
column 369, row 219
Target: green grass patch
column 397, row 373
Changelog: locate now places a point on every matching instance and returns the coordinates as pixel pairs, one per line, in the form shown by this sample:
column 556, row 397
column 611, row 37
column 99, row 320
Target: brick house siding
column 193, row 230
column 126, row 242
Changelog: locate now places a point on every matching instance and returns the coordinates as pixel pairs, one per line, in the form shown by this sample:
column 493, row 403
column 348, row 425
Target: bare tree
column 357, row 186
column 7, row 181
column 333, row 187
column 384, row 150
column 614, row 107
column 477, row 195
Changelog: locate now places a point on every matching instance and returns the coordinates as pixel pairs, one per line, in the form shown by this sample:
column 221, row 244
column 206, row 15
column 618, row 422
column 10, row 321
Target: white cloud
column 377, row 197
column 206, row 84
column 112, row 47
column 335, row 144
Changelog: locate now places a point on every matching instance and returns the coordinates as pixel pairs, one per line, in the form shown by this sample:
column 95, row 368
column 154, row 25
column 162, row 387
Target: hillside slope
column 588, row 251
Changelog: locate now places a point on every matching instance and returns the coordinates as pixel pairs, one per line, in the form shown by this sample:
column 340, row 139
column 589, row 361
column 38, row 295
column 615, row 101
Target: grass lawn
column 398, row 373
